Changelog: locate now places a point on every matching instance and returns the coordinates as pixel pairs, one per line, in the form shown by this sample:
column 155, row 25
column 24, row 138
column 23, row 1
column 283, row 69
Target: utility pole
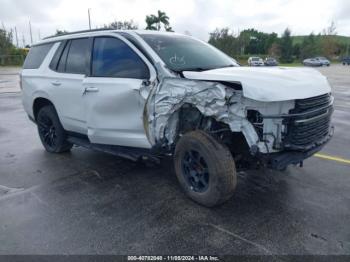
column 39, row 34
column 23, row 41
column 11, row 34
column 16, row 37
column 89, row 19
column 30, row 31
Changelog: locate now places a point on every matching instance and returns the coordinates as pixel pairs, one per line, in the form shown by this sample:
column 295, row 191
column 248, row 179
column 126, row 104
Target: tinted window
column 57, row 55
column 114, row 58
column 77, row 56
column 61, row 67
column 36, row 56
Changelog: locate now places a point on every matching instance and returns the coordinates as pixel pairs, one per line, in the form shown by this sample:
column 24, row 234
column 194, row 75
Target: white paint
column 268, row 83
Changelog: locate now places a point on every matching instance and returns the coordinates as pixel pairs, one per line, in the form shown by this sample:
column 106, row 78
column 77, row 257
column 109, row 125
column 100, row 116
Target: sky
column 198, row 17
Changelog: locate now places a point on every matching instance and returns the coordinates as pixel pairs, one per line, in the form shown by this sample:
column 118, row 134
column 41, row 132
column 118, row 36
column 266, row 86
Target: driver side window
column 112, row 57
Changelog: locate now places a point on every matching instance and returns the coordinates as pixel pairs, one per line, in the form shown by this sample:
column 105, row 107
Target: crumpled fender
column 212, row 99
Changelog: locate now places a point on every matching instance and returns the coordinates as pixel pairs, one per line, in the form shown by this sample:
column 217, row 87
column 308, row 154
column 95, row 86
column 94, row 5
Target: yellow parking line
column 334, row 158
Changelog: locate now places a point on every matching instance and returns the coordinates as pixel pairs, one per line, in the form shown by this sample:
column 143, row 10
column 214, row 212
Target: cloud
column 199, row 17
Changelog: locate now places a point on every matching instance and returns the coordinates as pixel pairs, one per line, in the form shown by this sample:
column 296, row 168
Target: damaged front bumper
column 281, row 160
column 308, row 129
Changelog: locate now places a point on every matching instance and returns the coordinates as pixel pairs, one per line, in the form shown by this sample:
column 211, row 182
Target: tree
column 224, row 40
column 5, row 42
column 274, row 50
column 286, row 46
column 329, row 44
column 60, row 32
column 154, row 22
column 310, row 46
column 122, row 25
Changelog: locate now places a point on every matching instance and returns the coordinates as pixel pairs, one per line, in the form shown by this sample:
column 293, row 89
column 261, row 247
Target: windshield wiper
column 199, row 69
column 226, row 66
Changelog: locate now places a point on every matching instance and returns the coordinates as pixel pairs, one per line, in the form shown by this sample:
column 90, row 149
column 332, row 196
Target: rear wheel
column 51, row 132
column 205, row 168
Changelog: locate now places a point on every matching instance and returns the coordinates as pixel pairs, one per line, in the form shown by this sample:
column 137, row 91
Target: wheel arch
column 189, row 118
column 39, row 103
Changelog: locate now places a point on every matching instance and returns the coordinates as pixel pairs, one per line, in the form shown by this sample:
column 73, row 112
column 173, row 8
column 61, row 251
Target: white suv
column 144, row 94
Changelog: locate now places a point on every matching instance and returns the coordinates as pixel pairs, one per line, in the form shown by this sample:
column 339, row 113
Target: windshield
column 256, row 59
column 181, row 53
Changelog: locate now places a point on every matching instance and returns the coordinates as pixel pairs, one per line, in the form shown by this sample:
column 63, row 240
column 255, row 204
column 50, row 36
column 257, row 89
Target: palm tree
column 162, row 18
column 154, row 22
column 150, row 21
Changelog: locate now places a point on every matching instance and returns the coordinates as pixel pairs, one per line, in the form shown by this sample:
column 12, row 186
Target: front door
column 114, row 93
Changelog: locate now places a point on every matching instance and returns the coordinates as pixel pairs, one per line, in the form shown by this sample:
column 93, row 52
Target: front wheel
column 205, row 168
column 51, row 132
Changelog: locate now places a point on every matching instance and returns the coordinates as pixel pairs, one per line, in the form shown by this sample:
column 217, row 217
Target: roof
column 98, row 32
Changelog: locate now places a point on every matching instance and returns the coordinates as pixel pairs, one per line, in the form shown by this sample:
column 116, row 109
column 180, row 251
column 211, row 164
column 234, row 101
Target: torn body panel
column 212, row 99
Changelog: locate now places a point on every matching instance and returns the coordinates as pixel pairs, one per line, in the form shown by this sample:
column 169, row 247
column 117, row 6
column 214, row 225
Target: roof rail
column 78, row 32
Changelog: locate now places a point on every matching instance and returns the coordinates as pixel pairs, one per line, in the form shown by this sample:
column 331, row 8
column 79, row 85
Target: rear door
column 67, row 83
column 115, row 93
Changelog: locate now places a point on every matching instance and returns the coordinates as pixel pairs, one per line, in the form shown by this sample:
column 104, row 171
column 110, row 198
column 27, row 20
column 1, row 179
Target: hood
column 269, row 84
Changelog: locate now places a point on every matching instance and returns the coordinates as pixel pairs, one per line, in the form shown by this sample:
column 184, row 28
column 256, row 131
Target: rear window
column 36, row 56
column 78, row 56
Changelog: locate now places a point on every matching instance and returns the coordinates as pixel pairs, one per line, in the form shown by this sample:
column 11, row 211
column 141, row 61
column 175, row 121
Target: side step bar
column 130, row 153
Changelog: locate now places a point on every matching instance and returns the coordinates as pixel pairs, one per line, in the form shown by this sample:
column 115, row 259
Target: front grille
column 302, row 105
column 306, row 130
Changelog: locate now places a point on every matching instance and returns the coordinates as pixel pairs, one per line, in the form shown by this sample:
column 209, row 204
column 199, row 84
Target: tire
column 51, row 133
column 197, row 154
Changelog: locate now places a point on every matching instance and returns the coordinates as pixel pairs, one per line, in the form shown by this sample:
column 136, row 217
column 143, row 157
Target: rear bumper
column 281, row 160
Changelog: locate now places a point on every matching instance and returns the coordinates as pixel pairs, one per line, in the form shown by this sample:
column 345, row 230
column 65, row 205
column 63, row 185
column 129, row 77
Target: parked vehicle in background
column 255, row 61
column 270, row 61
column 324, row 61
column 146, row 94
column 312, row 62
column 346, row 60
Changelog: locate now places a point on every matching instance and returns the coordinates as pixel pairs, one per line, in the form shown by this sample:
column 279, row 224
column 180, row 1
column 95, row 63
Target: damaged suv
column 146, row 94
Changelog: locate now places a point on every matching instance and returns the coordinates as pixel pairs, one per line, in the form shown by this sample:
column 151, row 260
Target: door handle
column 90, row 89
column 56, row 83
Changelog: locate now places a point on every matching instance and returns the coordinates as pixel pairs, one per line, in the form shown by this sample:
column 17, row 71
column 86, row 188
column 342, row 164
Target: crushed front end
column 304, row 131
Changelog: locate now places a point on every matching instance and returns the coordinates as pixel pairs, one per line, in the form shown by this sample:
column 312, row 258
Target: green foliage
column 310, row 46
column 225, row 41
column 5, row 42
column 60, row 32
column 249, row 41
column 9, row 54
column 155, row 22
column 122, row 25
column 258, row 42
column 286, row 46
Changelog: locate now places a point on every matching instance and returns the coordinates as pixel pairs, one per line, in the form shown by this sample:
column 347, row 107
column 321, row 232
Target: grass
column 294, row 64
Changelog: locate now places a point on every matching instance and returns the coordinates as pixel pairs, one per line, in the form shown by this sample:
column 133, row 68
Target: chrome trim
column 329, row 111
